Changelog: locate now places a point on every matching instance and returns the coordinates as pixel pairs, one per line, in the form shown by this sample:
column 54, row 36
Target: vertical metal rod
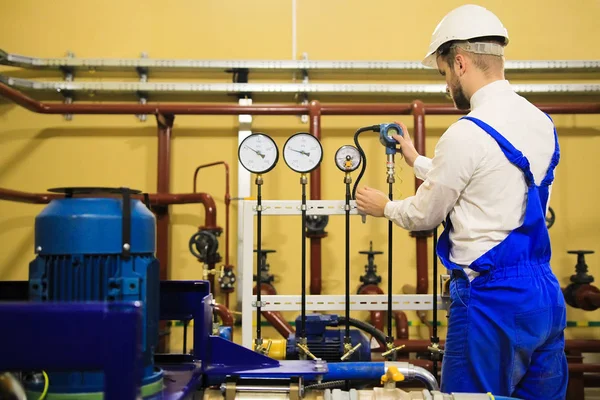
column 347, row 180
column 185, row 325
column 258, row 256
column 303, row 324
column 390, row 269
column 435, row 338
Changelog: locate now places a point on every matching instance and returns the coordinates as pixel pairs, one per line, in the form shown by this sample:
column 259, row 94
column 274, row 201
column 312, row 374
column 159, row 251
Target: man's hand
column 371, row 201
column 406, row 145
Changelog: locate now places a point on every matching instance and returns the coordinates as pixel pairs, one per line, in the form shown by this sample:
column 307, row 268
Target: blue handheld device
column 385, row 137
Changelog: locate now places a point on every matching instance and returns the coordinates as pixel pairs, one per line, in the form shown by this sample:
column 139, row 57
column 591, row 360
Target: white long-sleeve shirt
column 470, row 179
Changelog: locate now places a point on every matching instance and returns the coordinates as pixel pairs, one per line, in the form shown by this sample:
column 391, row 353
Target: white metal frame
column 313, row 302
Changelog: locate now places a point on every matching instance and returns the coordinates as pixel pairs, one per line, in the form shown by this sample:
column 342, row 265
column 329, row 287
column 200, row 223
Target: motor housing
column 325, row 339
column 83, row 255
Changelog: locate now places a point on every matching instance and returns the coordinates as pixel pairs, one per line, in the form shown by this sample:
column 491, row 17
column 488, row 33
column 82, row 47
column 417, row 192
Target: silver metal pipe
column 281, row 88
column 411, row 372
column 371, row 66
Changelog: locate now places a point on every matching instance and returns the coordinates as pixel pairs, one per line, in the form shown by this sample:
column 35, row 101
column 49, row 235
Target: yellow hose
column 46, row 384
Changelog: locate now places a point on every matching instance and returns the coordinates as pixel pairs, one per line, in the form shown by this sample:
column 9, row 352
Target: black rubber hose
column 373, row 128
column 325, row 385
column 363, row 326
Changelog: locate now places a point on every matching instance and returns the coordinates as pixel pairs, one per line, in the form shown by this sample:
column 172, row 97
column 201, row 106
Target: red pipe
column 376, row 316
column 227, row 203
column 267, row 109
column 315, row 194
column 584, row 368
column 31, row 198
column 401, row 325
column 156, row 199
column 225, row 109
column 163, row 183
column 591, row 380
column 418, row 111
column 274, row 317
column 226, row 316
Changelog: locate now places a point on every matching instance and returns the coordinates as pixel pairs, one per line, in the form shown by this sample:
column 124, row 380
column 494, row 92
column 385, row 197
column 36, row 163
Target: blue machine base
column 70, row 390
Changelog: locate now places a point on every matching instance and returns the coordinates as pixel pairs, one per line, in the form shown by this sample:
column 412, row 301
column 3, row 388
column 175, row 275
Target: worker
column 490, row 180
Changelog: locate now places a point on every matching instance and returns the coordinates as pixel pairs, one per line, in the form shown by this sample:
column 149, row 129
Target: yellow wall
column 39, row 151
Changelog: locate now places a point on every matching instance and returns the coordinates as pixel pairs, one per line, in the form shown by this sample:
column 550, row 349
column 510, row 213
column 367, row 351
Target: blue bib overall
column 505, row 328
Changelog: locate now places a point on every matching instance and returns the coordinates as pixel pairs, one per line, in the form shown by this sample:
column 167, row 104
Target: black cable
column 258, row 257
column 363, row 326
column 347, row 262
column 303, row 300
column 435, row 338
column 372, row 128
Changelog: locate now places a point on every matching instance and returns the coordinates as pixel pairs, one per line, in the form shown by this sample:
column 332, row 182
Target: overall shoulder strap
column 513, row 155
column 549, row 178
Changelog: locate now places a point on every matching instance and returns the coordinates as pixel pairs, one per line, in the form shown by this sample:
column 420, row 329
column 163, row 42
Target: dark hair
column 448, row 52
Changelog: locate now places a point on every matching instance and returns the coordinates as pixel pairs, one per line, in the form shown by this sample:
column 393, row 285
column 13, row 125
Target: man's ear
column 460, row 65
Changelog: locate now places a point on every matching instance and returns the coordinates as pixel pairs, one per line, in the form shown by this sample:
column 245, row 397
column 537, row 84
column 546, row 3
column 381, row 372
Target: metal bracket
column 262, row 304
column 142, row 95
column 68, row 76
column 445, row 286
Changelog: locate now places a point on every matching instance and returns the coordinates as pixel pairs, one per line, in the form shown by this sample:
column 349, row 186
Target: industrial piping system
column 418, row 110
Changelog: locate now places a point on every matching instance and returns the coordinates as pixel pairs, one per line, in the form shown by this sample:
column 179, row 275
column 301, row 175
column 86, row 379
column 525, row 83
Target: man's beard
column 458, row 95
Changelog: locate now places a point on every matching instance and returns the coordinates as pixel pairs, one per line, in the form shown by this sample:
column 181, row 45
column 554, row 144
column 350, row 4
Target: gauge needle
column 256, row 151
column 301, row 152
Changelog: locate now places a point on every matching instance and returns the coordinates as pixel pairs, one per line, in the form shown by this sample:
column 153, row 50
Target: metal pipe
column 163, row 183
column 25, row 197
column 584, row 368
column 225, row 315
column 227, row 203
column 212, row 210
column 375, row 370
column 315, row 194
column 265, row 109
column 275, row 318
column 376, row 316
column 418, row 111
column 401, row 325
column 411, row 371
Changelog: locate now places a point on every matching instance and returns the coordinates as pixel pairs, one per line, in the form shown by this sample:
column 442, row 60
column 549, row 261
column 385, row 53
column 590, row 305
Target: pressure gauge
column 347, row 158
column 303, row 152
column 258, row 153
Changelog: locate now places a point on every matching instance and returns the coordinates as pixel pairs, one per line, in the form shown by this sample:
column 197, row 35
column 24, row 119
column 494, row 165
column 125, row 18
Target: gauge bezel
column 276, row 153
column 335, row 158
column 312, row 137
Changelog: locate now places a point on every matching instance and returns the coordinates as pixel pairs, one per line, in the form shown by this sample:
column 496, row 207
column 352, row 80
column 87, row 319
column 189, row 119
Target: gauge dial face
column 258, row 153
column 347, row 158
column 302, row 152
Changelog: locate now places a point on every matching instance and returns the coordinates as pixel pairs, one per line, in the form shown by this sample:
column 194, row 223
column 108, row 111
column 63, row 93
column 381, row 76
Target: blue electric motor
column 326, row 341
column 97, row 249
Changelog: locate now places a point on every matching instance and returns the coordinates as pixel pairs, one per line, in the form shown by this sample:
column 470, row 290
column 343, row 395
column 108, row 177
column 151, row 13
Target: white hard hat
column 464, row 23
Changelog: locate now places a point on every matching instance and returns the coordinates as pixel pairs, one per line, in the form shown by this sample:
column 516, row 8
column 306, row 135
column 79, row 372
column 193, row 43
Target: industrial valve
column 316, row 224
column 370, row 277
column 264, row 267
column 227, row 278
column 580, row 294
column 204, row 246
